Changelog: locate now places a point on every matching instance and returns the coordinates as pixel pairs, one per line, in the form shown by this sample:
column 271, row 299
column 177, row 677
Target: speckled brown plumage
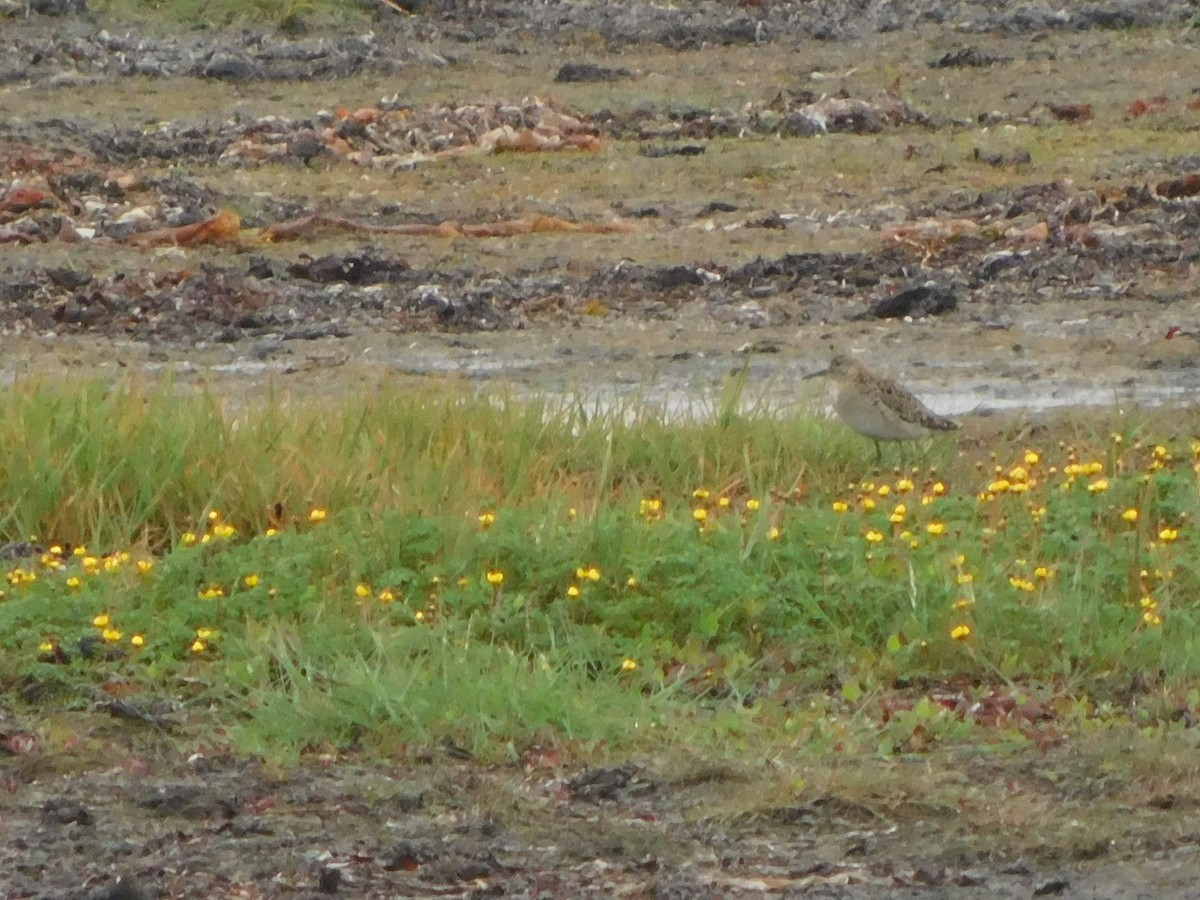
column 878, row 407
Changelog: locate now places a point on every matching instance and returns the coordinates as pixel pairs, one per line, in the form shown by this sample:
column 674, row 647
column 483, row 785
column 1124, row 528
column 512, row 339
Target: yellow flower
column 102, row 620
column 1130, row 515
column 938, row 489
column 723, row 502
column 271, row 532
column 700, row 493
column 317, row 514
column 187, row 539
column 144, row 566
column 1032, row 458
column 1018, row 473
column 251, row 581
column 487, row 520
column 962, row 603
column 999, row 486
column 573, row 592
column 198, row 646
column 47, row 646
column 868, row 503
column 204, row 633
column 650, row 507
column 592, row 574
column 897, row 516
column 904, row 485
column 1043, row 572
column 1099, row 486
column 362, row 591
column 629, row 665
column 81, row 550
column 111, row 635
column 700, row 514
column 224, row 530
column 495, row 577
column 214, row 515
column 90, row 564
column 419, row 615
column 936, row 528
column 1151, row 618
column 1148, row 603
column 386, row 596
column 1167, row 535
column 884, row 490
column 774, row 534
column 463, row 581
column 138, row 640
column 55, row 550
column 572, row 512
column 874, row 536
column 212, row 592
column 965, row 577
column 632, row 581
column 1022, row 584
column 112, row 563
column 74, row 582
column 1037, row 513
column 960, row 632
column 753, row 504
column 840, row 506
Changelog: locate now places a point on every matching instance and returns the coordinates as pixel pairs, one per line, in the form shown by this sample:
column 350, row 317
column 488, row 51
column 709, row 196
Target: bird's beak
column 817, row 374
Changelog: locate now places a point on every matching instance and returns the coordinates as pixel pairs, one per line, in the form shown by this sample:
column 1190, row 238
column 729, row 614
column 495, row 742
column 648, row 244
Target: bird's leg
column 878, row 454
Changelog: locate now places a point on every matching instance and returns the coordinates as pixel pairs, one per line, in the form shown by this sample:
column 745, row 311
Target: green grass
column 411, row 568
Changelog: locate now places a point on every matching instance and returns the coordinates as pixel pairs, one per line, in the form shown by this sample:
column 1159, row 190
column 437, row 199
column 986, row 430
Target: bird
column 879, row 407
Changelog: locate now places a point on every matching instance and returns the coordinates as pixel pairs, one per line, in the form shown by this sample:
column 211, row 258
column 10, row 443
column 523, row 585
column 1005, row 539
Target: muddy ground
column 996, row 201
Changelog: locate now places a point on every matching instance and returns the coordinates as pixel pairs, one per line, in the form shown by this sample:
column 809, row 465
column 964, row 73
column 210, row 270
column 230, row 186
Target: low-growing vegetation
column 421, row 568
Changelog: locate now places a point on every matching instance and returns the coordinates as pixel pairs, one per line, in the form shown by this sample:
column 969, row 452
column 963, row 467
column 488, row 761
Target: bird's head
column 839, row 364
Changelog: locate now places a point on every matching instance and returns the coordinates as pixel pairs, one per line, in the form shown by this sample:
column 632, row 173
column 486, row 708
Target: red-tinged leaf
column 256, row 806
column 121, row 688
column 23, row 199
column 1141, row 107
column 1046, row 738
column 19, row 743
column 136, row 765
column 542, row 758
column 1175, row 188
column 1071, row 112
